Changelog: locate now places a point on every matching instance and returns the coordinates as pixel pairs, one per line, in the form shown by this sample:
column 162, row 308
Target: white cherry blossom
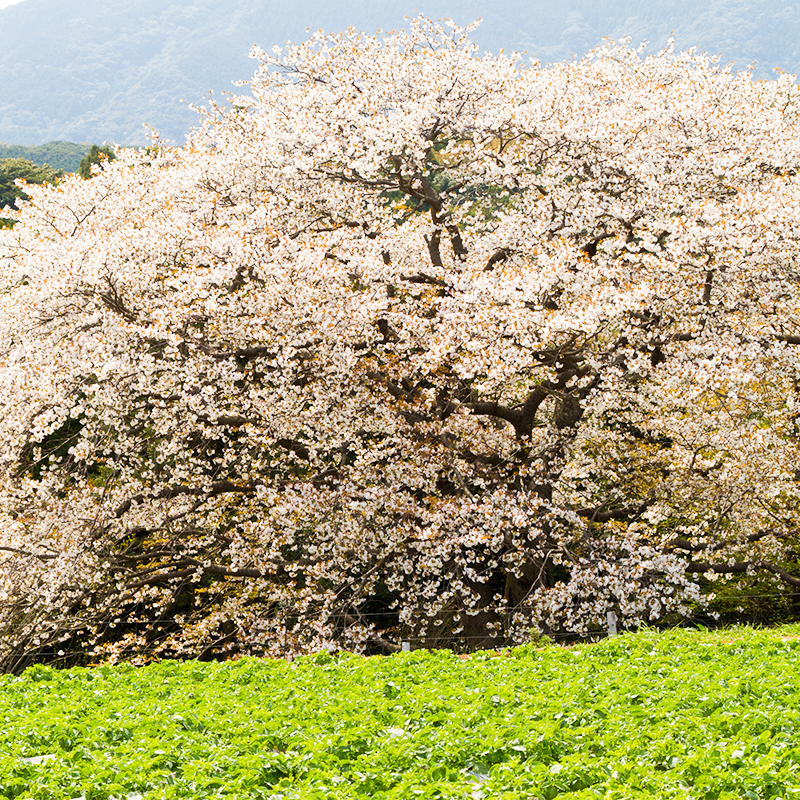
column 407, row 343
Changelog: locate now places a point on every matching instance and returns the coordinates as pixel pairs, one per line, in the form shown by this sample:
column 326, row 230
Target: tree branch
column 17, row 551
column 496, row 258
column 596, row 515
column 217, row 488
column 378, row 641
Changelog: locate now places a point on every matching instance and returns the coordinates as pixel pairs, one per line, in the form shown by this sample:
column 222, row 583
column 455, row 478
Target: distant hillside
column 65, row 156
column 99, row 71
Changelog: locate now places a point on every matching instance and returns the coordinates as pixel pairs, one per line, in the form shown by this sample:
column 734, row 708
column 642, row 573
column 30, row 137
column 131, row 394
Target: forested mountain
column 92, row 72
column 65, row 156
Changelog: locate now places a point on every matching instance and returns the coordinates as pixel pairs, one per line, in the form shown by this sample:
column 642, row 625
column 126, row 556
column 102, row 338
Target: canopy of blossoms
column 408, row 343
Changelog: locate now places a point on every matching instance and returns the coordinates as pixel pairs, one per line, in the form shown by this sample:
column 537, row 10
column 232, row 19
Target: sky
column 4, row 3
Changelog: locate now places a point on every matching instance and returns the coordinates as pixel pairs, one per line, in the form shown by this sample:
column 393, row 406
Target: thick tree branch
column 17, row 551
column 596, row 514
column 785, row 576
column 217, row 488
column 244, row 353
column 298, row 449
column 433, row 248
column 424, row 278
column 457, row 242
column 497, row 257
column 742, row 567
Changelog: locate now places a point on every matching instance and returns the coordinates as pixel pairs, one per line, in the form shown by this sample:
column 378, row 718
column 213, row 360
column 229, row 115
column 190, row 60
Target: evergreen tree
column 97, row 155
column 13, row 168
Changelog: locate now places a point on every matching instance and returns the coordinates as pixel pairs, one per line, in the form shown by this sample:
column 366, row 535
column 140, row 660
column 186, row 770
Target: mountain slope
column 65, row 156
column 101, row 71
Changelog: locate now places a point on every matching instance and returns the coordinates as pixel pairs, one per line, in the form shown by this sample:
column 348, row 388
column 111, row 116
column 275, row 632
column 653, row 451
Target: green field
column 682, row 714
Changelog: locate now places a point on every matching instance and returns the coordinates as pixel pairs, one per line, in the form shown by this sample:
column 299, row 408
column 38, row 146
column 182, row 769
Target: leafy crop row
column 683, row 715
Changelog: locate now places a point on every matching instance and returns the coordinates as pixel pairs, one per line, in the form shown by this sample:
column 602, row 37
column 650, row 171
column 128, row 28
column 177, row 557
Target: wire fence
column 420, row 611
column 157, row 643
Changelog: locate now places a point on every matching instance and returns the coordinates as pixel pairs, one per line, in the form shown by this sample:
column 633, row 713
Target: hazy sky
column 4, row 3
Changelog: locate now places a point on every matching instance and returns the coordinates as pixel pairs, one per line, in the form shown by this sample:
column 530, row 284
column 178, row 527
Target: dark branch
column 785, row 576
column 298, row 449
column 742, row 567
column 217, row 488
column 379, row 642
column 433, row 248
column 523, row 419
column 40, row 556
column 631, row 512
column 720, row 569
column 457, row 242
column 496, row 258
column 423, row 278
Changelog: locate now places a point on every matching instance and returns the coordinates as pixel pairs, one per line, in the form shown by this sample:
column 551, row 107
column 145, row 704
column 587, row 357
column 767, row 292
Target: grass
column 684, row 714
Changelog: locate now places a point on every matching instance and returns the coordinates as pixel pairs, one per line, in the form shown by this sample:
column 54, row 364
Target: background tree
column 64, row 156
column 408, row 344
column 13, row 169
column 97, row 155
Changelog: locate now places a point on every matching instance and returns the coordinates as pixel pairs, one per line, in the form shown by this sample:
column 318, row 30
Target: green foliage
column 12, row 169
column 65, row 156
column 97, row 155
column 684, row 714
column 750, row 597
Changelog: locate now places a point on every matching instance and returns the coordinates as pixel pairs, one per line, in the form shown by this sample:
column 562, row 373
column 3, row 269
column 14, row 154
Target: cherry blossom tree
column 408, row 343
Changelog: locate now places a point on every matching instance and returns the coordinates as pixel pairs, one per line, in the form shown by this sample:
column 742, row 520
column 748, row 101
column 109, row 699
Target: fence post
column 406, row 647
column 611, row 619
